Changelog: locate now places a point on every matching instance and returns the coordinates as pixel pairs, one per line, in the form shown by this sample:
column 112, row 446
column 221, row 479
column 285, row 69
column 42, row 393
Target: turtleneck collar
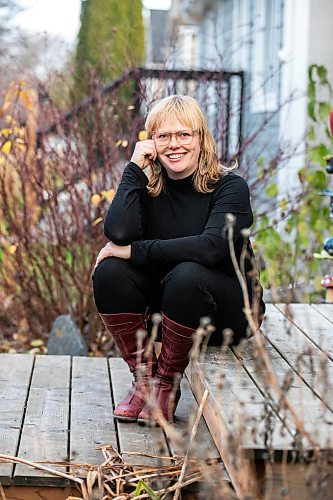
column 185, row 183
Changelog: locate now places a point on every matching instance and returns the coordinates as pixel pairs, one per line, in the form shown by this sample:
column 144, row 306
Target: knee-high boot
column 123, row 328
column 176, row 344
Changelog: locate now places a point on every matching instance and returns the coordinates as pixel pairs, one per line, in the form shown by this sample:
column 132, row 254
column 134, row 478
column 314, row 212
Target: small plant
column 286, row 244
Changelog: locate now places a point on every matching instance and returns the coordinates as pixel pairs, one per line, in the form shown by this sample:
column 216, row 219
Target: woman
column 168, row 250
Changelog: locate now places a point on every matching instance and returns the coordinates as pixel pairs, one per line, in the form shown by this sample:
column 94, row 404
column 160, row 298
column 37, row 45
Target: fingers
column 144, row 153
column 103, row 254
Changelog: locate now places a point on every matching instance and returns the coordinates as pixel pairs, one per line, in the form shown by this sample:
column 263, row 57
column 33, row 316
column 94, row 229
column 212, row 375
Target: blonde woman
column 168, row 250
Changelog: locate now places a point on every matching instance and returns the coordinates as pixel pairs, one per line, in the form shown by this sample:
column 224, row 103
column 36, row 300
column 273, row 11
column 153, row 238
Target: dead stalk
column 272, row 380
column 192, row 436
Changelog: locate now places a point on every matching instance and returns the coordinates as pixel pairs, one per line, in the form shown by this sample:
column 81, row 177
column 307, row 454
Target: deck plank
column 324, row 309
column 203, row 448
column 234, row 405
column 186, row 411
column 45, row 428
column 91, row 419
column 132, row 436
column 308, row 408
column 15, row 373
column 302, row 356
column 314, row 325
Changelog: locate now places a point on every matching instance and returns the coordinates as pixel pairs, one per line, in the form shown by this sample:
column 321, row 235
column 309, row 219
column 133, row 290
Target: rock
column 66, row 338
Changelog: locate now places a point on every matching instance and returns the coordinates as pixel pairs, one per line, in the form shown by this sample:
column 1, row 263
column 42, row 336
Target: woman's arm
column 211, row 246
column 126, row 218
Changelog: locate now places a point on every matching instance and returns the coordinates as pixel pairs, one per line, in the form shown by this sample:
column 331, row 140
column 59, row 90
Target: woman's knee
column 185, row 277
column 118, row 287
column 109, row 272
column 185, row 297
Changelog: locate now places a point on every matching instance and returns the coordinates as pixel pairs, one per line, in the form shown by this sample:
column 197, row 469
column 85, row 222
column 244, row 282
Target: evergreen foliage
column 111, row 40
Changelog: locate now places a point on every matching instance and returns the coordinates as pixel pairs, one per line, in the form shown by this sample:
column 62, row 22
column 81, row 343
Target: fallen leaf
column 37, row 343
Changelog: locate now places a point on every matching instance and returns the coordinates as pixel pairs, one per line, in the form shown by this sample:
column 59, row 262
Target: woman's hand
column 112, row 250
column 144, row 153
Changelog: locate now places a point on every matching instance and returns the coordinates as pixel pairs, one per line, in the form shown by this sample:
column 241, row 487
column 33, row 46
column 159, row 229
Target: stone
column 66, row 338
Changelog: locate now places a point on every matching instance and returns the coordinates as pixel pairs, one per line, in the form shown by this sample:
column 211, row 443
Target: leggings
column 185, row 294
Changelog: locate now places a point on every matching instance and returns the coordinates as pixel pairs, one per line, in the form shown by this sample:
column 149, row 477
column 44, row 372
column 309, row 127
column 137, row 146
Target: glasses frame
column 171, row 134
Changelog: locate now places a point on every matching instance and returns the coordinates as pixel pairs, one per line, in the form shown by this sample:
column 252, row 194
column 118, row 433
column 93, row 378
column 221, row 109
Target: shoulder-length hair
column 187, row 111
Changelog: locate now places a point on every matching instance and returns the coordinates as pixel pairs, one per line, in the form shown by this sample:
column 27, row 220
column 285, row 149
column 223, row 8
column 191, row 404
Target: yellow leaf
column 2, row 160
column 12, row 249
column 97, row 221
column 130, row 107
column 9, row 119
column 108, row 194
column 124, row 143
column 95, row 199
column 6, row 131
column 142, row 135
column 20, row 131
column 6, row 147
column 118, row 143
column 24, row 96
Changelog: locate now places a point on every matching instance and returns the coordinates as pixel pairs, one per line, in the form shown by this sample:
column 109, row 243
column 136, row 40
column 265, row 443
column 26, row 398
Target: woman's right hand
column 144, row 153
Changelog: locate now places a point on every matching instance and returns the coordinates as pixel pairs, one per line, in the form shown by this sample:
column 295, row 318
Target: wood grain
column 304, row 358
column 325, row 309
column 45, row 431
column 15, row 373
column 313, row 324
column 132, row 436
column 91, row 421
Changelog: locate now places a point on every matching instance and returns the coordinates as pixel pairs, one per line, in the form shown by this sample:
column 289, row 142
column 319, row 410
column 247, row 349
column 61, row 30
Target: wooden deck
column 58, row 408
column 244, row 412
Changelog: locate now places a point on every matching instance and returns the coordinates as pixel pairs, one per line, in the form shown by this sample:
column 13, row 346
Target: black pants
column 185, row 294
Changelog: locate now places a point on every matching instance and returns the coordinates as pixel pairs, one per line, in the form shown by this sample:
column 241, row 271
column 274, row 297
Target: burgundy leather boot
column 176, row 344
column 123, row 328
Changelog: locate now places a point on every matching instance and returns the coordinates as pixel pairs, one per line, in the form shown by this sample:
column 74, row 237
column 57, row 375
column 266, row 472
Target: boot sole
column 125, row 419
column 147, row 423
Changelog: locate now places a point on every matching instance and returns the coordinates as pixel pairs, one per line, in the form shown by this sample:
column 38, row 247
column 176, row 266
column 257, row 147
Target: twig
column 9, row 458
column 192, row 436
column 257, row 338
column 3, row 496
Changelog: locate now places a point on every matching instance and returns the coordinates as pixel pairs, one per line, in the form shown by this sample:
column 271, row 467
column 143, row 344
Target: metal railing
column 220, row 94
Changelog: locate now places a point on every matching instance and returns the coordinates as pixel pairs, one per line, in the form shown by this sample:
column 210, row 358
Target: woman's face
column 178, row 159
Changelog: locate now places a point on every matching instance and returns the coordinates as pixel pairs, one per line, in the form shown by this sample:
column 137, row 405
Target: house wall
column 251, row 35
column 261, row 63
column 320, row 47
column 321, row 34
column 293, row 116
column 233, row 35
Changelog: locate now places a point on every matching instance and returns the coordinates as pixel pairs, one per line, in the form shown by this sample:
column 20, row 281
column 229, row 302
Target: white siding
column 293, row 117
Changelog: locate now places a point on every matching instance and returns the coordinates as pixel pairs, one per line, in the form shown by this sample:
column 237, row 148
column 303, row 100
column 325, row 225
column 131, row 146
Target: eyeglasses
column 184, row 137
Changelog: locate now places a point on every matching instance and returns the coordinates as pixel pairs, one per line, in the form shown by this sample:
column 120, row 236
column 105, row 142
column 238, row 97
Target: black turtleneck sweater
column 180, row 224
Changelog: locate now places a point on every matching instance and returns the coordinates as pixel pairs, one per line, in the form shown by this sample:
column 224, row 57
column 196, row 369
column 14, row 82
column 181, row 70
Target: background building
column 273, row 42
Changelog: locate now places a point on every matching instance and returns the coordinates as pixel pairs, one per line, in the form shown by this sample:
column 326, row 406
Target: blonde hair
column 186, row 110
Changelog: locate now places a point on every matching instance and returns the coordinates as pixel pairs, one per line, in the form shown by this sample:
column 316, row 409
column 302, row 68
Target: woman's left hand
column 113, row 250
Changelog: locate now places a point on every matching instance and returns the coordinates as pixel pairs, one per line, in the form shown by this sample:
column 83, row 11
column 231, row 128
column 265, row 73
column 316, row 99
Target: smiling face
column 179, row 160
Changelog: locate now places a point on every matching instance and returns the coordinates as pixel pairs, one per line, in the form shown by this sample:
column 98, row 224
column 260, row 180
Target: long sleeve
column 125, row 219
column 211, row 246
